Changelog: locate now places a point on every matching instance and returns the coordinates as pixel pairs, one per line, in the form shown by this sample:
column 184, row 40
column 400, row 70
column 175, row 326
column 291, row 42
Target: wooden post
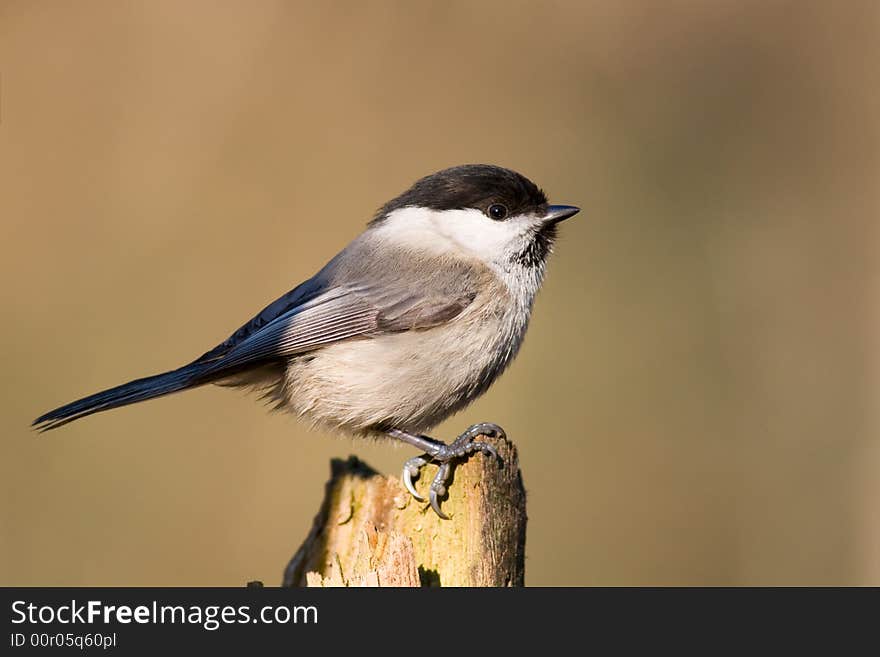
column 371, row 532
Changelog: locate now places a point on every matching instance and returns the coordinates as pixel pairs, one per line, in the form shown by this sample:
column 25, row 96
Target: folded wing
column 341, row 313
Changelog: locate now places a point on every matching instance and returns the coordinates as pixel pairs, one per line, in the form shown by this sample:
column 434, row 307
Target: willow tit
column 408, row 324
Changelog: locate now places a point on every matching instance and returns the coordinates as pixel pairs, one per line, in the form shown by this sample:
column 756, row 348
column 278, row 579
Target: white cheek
column 456, row 231
column 459, row 232
column 474, row 231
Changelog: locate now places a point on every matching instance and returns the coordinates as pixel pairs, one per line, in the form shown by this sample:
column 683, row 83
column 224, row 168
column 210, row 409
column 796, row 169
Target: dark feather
column 128, row 393
column 470, row 186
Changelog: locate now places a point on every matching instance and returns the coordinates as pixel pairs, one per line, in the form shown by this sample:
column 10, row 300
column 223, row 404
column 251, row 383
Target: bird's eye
column 497, row 211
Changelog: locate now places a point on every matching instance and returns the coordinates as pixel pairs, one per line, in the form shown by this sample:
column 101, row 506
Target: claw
column 412, row 469
column 438, row 488
column 435, row 504
column 484, row 429
column 444, row 455
column 485, row 448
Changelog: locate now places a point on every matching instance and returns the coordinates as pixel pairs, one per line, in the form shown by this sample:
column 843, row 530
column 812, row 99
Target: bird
column 412, row 321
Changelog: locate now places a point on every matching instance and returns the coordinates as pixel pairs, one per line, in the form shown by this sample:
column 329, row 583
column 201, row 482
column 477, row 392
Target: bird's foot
column 445, row 455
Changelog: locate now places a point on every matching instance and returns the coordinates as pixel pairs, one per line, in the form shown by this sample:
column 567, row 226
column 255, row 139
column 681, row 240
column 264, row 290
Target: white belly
column 410, row 380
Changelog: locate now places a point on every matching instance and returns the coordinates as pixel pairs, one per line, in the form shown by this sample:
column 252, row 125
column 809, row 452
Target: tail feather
column 123, row 395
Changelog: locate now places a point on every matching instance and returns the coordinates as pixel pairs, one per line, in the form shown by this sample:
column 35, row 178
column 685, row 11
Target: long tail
column 188, row 376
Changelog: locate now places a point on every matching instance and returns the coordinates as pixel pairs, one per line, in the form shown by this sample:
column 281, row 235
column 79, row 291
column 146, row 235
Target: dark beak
column 557, row 213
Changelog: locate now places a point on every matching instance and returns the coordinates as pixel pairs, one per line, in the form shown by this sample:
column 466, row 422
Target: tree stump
column 371, row 532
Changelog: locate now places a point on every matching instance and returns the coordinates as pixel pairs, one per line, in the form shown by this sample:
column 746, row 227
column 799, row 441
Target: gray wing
column 358, row 294
column 369, row 289
column 341, row 313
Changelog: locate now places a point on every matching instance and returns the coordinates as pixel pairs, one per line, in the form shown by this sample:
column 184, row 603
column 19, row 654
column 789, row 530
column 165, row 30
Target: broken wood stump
column 370, row 531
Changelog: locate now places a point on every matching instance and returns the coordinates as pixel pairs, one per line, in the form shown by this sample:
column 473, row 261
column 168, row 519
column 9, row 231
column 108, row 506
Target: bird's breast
column 410, row 380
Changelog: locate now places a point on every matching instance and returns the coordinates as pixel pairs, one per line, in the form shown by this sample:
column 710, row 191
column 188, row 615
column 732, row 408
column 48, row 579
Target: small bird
column 407, row 325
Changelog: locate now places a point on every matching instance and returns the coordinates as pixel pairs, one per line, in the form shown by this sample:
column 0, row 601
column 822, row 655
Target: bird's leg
column 444, row 455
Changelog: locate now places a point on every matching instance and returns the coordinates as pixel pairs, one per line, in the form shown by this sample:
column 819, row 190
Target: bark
column 371, row 532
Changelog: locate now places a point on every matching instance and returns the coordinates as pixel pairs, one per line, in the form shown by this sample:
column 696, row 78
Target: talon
column 412, row 468
column 485, row 448
column 444, row 455
column 407, row 482
column 435, row 504
column 482, row 429
column 438, row 488
column 485, row 429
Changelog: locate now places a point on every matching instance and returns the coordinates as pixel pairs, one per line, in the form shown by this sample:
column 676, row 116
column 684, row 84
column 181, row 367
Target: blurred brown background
column 697, row 400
